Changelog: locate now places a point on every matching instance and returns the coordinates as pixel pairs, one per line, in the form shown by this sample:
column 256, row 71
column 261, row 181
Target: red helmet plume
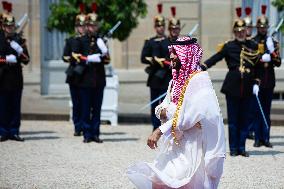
column 173, row 10
column 239, row 11
column 248, row 11
column 160, row 8
column 82, row 7
column 263, row 9
column 94, row 7
column 5, row 4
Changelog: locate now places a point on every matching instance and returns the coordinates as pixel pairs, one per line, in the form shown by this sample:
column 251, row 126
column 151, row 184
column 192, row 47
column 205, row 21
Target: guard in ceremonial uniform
column 93, row 80
column 240, row 55
column 265, row 70
column 158, row 72
column 73, row 47
column 13, row 53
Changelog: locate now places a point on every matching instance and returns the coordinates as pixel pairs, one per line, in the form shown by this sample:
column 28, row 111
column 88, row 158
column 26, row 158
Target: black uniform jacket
column 265, row 70
column 73, row 45
column 11, row 76
column 154, row 53
column 94, row 75
column 236, row 84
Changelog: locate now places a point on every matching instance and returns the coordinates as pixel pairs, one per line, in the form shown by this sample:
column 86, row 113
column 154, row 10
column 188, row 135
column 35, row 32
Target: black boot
column 3, row 138
column 97, row 139
column 257, row 144
column 244, row 153
column 16, row 138
column 87, row 140
column 77, row 133
column 268, row 144
column 234, row 153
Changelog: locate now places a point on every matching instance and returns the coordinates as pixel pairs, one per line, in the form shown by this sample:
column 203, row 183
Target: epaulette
column 220, row 46
column 147, row 39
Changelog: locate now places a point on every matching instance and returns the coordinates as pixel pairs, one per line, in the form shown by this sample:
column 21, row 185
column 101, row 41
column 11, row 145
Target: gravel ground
column 52, row 158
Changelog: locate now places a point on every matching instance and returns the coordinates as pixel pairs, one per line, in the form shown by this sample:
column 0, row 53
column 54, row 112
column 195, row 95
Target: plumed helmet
column 174, row 22
column 159, row 20
column 248, row 18
column 239, row 24
column 92, row 18
column 262, row 21
column 80, row 19
column 7, row 17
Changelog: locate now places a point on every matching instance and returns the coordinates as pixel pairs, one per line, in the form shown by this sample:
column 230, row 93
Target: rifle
column 276, row 29
column 193, row 30
column 110, row 32
column 21, row 24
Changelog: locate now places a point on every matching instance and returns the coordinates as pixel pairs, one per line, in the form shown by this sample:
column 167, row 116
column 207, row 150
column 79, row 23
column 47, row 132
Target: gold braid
column 180, row 101
column 248, row 55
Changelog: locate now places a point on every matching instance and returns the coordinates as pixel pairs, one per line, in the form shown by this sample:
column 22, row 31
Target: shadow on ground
column 277, row 136
column 120, row 139
column 113, row 133
column 41, row 138
column 36, row 132
column 270, row 152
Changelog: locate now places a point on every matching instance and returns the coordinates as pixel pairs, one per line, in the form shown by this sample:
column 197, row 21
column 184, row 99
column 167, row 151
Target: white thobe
column 197, row 162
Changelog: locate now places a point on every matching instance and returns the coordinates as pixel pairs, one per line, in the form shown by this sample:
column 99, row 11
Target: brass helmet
column 80, row 19
column 159, row 20
column 92, row 18
column 262, row 21
column 7, row 18
column 239, row 24
column 174, row 22
column 248, row 18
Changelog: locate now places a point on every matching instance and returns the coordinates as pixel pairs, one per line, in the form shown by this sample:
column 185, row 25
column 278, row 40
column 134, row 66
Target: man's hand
column 266, row 57
column 94, row 58
column 163, row 115
column 198, row 125
column 255, row 89
column 153, row 138
column 11, row 59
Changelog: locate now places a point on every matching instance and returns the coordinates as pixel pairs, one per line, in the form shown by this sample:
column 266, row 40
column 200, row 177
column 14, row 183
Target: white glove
column 12, row 59
column 171, row 109
column 17, row 47
column 102, row 46
column 94, row 58
column 266, row 57
column 270, row 44
column 255, row 89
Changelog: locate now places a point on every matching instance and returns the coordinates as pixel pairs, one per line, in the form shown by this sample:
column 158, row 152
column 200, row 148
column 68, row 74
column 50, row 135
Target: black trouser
column 10, row 112
column 76, row 107
column 92, row 99
column 239, row 118
column 262, row 131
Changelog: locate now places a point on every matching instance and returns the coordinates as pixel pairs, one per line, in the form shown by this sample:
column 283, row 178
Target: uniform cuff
column 166, row 126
